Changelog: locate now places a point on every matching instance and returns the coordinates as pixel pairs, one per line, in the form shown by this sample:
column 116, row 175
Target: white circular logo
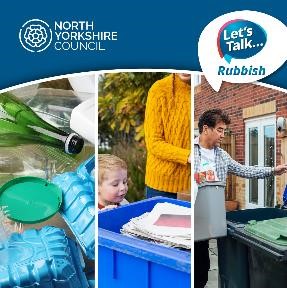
column 35, row 35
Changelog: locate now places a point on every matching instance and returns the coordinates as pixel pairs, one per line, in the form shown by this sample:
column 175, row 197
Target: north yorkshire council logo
column 35, row 35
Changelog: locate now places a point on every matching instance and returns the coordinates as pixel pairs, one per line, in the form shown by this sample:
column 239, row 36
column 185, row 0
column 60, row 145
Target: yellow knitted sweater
column 167, row 135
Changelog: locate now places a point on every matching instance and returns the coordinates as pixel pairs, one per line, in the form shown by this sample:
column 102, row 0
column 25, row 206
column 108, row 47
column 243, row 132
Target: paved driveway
column 213, row 273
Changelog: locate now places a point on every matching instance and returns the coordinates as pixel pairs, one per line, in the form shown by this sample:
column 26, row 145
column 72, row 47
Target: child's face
column 114, row 186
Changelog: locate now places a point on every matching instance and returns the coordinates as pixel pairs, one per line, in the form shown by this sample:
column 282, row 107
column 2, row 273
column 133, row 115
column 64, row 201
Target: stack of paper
column 166, row 224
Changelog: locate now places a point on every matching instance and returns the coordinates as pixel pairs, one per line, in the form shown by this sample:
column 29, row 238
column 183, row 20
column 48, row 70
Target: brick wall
column 234, row 98
column 240, row 194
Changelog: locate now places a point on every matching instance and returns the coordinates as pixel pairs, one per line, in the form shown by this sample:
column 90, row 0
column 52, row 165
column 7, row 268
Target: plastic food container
column 78, row 208
column 41, row 258
column 30, row 199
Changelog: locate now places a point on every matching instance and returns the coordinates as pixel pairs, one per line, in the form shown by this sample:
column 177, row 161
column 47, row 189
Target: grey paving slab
column 213, row 272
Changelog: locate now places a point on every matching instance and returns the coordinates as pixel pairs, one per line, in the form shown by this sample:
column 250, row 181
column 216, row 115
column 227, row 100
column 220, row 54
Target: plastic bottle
column 19, row 124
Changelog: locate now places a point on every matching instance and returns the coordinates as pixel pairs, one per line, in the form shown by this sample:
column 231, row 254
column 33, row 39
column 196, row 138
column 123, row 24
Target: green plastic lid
column 272, row 230
column 30, row 199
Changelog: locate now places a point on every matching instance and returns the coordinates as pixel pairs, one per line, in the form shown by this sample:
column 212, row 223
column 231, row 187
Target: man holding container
column 210, row 159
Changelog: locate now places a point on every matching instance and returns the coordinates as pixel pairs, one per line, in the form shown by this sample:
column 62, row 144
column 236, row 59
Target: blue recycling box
column 43, row 258
column 130, row 262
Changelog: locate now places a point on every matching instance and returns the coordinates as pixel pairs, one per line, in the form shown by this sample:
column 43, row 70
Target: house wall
column 245, row 101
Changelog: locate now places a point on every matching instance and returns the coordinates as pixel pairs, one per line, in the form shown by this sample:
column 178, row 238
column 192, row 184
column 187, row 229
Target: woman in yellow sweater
column 167, row 136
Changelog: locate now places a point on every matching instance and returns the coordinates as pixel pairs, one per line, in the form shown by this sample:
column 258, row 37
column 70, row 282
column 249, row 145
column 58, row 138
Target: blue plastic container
column 43, row 258
column 130, row 262
column 91, row 279
column 78, row 208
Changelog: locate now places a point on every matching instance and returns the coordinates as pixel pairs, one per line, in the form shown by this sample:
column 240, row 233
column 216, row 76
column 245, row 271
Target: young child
column 113, row 181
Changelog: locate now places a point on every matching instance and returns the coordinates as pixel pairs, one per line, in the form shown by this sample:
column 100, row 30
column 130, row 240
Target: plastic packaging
column 91, row 279
column 83, row 86
column 83, row 120
column 30, row 199
column 19, row 124
column 41, row 258
column 78, row 208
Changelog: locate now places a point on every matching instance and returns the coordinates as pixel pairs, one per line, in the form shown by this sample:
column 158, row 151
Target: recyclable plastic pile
column 41, row 258
column 47, row 257
column 78, row 208
column 6, row 226
column 167, row 224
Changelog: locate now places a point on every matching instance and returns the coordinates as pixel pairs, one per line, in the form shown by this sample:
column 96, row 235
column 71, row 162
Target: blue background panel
column 151, row 34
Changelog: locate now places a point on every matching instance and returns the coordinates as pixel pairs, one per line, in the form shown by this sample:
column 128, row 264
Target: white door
column 260, row 151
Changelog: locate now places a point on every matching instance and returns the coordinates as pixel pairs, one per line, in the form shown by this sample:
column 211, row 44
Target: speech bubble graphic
column 242, row 47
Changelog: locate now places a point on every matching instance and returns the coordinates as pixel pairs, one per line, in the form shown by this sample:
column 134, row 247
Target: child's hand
column 109, row 207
